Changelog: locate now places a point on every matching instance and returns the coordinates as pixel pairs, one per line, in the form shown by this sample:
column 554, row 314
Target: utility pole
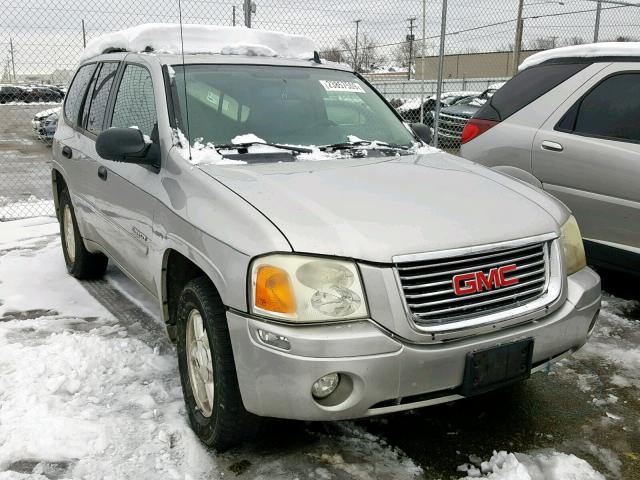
column 355, row 55
column 410, row 38
column 84, row 35
column 13, row 63
column 443, row 35
column 249, row 8
column 517, row 44
column 596, row 30
column 234, row 16
column 424, row 29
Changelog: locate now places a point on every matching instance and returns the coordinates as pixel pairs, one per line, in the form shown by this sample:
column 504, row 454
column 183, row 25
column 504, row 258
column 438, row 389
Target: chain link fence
column 394, row 43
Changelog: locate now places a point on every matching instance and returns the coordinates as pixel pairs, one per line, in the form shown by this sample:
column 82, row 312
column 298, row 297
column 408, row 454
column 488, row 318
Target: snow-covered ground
column 84, row 394
column 81, row 397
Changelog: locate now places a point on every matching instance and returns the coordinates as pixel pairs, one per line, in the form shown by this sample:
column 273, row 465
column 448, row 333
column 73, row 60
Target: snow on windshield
column 604, row 49
column 207, row 153
column 165, row 38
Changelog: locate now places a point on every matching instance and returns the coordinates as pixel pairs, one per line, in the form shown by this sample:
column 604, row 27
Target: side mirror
column 126, row 145
column 422, row 132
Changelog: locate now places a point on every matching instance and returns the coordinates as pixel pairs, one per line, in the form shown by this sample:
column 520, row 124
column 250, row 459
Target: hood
column 373, row 209
column 461, row 110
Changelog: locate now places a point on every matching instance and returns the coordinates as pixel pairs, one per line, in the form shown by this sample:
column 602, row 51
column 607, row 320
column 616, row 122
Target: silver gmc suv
column 313, row 258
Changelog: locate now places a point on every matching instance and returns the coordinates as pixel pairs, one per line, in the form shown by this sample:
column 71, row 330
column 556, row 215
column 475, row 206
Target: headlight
column 306, row 289
column 572, row 246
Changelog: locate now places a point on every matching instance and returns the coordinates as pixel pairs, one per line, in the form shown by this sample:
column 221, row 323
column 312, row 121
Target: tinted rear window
column 612, row 109
column 526, row 87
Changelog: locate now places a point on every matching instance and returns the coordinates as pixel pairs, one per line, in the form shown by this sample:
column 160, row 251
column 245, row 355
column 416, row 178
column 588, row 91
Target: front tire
column 207, row 369
column 81, row 263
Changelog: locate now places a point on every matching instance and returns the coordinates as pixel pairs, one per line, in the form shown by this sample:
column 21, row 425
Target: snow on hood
column 496, row 86
column 604, row 49
column 46, row 113
column 165, row 38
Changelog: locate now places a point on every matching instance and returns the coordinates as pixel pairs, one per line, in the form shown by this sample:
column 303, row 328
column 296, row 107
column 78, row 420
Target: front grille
column 428, row 286
column 452, row 125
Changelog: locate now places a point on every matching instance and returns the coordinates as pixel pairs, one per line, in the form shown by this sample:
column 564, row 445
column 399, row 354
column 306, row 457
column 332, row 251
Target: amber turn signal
column 273, row 290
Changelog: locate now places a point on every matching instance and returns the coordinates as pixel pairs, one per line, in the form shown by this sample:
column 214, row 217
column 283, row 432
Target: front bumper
column 383, row 372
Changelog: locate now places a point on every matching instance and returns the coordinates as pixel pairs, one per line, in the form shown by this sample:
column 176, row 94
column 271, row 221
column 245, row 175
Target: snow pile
column 200, row 153
column 31, row 206
column 165, row 38
column 76, row 389
column 615, row 341
column 590, row 50
column 539, row 466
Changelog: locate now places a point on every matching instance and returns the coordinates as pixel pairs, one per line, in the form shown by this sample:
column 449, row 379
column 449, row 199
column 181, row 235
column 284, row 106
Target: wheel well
column 177, row 271
column 59, row 184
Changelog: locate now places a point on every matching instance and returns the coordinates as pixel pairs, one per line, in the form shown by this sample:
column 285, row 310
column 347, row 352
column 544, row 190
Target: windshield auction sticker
column 341, row 86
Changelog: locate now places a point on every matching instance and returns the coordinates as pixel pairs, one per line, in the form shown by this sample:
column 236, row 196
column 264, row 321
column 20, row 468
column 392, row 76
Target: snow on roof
column 604, row 49
column 496, row 86
column 165, row 38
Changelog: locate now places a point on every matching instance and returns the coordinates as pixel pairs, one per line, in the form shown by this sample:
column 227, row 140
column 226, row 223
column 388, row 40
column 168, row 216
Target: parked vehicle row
column 456, row 110
column 569, row 123
column 31, row 94
column 410, row 109
column 382, row 276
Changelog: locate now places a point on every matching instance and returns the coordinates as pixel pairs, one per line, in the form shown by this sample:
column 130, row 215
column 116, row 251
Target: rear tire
column 207, row 369
column 81, row 263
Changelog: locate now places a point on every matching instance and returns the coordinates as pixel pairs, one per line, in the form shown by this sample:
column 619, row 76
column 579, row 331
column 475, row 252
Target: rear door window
column 526, row 87
column 100, row 97
column 135, row 102
column 611, row 109
column 75, row 95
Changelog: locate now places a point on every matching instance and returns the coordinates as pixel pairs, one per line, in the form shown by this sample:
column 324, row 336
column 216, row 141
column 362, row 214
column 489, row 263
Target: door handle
column 553, row 146
column 102, row 173
column 67, row 152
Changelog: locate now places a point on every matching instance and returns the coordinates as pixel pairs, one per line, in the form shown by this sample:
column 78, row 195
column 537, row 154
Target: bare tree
column 543, row 43
column 573, row 41
column 368, row 56
column 401, row 55
column 333, row 54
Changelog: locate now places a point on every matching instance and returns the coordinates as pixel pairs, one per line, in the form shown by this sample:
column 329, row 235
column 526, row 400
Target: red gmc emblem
column 472, row 282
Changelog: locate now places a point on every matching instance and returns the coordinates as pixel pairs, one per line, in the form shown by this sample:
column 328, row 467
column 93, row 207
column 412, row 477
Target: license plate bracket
column 495, row 367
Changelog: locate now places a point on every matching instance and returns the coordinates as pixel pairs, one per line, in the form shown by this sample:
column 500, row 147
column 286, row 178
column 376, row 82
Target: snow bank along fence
column 396, row 43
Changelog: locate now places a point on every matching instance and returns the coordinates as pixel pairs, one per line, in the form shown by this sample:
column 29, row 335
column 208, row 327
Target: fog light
column 274, row 340
column 325, row 386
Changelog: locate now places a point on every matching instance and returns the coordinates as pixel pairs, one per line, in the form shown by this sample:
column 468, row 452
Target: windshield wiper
column 362, row 143
column 245, row 145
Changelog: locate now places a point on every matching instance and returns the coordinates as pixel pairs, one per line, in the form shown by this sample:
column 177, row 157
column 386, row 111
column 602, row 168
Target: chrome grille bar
column 430, row 294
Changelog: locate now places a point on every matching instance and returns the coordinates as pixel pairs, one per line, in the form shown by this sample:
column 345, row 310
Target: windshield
column 284, row 105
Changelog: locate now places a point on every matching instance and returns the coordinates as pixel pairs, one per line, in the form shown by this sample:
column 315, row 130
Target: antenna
column 184, row 80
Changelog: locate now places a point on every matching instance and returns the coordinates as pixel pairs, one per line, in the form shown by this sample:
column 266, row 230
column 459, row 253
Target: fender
column 519, row 174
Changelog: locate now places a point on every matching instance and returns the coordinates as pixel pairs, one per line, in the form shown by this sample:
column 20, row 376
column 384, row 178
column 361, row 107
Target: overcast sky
column 47, row 35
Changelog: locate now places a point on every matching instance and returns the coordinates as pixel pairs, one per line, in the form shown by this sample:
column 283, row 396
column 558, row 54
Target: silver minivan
column 313, row 259
column 570, row 124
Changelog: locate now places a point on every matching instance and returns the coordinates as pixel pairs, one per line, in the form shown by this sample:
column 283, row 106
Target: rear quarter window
column 526, row 87
column 76, row 93
column 610, row 110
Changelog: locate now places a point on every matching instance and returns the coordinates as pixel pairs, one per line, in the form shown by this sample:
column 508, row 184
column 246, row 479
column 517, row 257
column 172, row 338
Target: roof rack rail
column 114, row 50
